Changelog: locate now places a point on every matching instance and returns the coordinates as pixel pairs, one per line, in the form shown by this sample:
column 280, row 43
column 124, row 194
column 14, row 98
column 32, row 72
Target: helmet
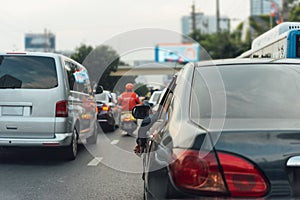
column 129, row 86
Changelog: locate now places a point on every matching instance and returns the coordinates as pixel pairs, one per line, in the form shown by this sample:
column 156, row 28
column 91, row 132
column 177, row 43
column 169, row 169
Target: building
column 43, row 42
column 263, row 7
column 204, row 23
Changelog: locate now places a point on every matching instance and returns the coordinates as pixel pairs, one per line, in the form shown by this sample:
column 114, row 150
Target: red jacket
column 128, row 100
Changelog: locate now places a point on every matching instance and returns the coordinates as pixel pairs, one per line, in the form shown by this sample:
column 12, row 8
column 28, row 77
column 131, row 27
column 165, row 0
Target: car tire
column 93, row 139
column 71, row 150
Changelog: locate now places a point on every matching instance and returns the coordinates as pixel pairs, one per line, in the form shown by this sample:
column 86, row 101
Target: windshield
column 27, row 72
column 265, row 91
column 155, row 96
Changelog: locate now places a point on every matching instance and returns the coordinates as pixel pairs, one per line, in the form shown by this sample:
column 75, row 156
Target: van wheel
column 71, row 150
column 93, row 139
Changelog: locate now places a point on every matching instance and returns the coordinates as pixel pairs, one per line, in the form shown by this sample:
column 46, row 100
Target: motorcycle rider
column 129, row 98
column 127, row 101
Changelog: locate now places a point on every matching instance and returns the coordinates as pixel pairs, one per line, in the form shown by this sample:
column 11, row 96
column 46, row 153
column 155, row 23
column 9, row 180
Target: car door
column 82, row 105
column 156, row 132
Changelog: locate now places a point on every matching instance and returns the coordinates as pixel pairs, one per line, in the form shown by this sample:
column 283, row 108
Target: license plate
column 12, row 111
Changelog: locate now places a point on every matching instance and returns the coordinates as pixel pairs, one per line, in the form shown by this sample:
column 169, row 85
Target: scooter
column 128, row 122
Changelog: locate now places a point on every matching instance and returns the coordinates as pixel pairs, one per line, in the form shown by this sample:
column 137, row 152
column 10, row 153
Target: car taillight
column 61, row 109
column 242, row 177
column 195, row 170
column 105, row 108
column 200, row 171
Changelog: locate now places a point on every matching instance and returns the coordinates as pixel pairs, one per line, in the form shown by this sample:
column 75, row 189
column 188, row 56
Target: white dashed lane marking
column 114, row 142
column 95, row 161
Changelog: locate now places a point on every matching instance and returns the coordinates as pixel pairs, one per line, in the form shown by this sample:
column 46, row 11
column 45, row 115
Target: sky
column 92, row 22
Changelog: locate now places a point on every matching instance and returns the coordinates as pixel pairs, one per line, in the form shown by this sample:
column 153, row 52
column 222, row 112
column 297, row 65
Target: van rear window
column 28, row 72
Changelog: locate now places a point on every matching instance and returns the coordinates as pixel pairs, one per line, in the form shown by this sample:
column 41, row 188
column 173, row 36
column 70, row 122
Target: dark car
column 226, row 129
column 109, row 112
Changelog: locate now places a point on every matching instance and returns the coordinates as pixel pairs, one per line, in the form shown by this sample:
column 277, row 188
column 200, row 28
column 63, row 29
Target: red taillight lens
column 200, row 171
column 242, row 177
column 105, row 108
column 61, row 109
column 197, row 171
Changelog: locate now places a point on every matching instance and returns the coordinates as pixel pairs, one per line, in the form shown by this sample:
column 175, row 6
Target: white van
column 45, row 100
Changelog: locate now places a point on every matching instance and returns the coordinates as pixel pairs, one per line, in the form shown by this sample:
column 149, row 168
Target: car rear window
column 27, row 72
column 269, row 91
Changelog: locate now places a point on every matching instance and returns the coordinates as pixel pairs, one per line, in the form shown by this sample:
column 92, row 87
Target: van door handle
column 11, row 127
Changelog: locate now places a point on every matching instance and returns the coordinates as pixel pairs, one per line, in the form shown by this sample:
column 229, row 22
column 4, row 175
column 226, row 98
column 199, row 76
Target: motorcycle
column 128, row 122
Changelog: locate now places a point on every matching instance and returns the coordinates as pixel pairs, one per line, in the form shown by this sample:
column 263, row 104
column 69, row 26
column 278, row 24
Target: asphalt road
column 108, row 170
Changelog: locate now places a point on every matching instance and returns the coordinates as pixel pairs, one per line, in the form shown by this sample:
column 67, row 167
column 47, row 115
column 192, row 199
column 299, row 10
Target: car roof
column 48, row 54
column 246, row 61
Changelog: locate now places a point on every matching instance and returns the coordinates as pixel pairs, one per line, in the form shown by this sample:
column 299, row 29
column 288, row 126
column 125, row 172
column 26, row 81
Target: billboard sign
column 40, row 42
column 181, row 53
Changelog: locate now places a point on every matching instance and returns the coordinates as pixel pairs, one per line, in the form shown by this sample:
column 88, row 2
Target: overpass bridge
column 147, row 69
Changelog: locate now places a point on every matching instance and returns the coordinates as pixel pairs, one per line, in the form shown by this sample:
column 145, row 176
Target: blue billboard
column 40, row 42
column 181, row 53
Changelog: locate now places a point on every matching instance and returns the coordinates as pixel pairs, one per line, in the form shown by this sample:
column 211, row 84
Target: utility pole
column 218, row 16
column 193, row 17
column 45, row 40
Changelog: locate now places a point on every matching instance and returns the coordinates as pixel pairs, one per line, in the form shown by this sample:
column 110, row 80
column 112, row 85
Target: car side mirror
column 140, row 112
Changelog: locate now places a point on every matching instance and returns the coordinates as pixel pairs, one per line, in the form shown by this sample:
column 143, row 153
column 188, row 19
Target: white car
column 154, row 98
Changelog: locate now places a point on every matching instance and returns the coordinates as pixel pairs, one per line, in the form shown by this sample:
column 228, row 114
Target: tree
column 294, row 15
column 81, row 53
column 141, row 89
column 223, row 45
column 100, row 63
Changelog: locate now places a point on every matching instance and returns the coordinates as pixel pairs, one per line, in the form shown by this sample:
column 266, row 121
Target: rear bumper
column 60, row 139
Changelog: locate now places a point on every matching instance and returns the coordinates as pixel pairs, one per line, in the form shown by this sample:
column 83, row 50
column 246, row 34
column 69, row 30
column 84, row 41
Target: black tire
column 70, row 151
column 108, row 128
column 112, row 128
column 93, row 139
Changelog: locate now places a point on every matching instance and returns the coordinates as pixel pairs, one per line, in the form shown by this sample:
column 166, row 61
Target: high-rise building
column 263, row 7
column 204, row 23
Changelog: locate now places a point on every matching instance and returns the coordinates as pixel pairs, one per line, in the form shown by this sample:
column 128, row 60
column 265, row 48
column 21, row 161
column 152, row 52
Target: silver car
column 45, row 100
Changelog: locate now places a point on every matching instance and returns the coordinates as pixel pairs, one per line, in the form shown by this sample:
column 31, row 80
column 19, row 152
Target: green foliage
column 258, row 27
column 81, row 53
column 100, row 62
column 223, row 45
column 294, row 14
column 141, row 89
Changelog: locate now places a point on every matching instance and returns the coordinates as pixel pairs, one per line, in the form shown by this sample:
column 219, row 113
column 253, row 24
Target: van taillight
column 61, row 109
column 200, row 171
column 242, row 177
